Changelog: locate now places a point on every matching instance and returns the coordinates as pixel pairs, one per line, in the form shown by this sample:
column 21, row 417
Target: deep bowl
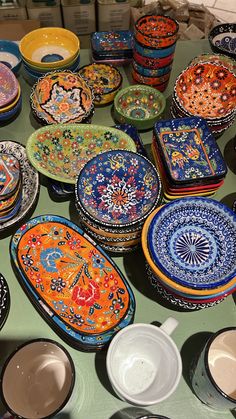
column 139, row 105
column 222, row 39
column 156, row 31
column 49, row 47
column 10, row 55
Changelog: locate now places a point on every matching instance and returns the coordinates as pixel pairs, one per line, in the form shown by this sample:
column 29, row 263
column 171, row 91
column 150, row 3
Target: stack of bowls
column 10, row 187
column 112, row 47
column 187, row 157
column 47, row 49
column 189, row 246
column 115, row 193
column 10, row 95
column 217, row 59
column 10, row 55
column 208, row 90
column 154, row 44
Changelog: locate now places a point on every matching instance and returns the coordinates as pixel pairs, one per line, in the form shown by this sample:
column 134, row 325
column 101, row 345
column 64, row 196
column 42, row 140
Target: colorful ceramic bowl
column 60, row 151
column 153, row 52
column 152, row 63
column 112, row 43
column 105, row 81
column 49, row 48
column 10, row 55
column 72, row 282
column 156, row 31
column 151, row 72
column 61, row 97
column 149, row 80
column 139, row 105
column 8, row 116
column 217, row 59
column 9, row 86
column 12, row 104
column 222, row 39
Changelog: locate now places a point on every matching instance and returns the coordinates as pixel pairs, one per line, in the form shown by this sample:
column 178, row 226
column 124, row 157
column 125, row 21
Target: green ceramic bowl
column 139, row 105
column 59, row 151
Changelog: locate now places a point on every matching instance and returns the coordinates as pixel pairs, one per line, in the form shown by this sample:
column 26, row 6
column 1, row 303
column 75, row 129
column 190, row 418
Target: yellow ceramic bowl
column 49, row 47
column 166, row 280
column 46, row 70
column 12, row 104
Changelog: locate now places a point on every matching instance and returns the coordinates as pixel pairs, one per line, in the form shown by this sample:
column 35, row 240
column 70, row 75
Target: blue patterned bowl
column 153, row 52
column 222, row 39
column 10, row 55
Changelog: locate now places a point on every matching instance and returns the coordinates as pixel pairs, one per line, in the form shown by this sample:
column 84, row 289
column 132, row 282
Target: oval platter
column 71, row 281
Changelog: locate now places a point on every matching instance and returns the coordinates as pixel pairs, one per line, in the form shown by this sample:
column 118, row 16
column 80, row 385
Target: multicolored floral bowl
column 153, row 52
column 152, row 63
column 220, row 59
column 156, row 31
column 61, row 97
column 9, row 86
column 104, row 79
column 50, row 47
column 60, row 151
column 139, row 105
column 222, row 39
column 71, row 281
column 149, row 80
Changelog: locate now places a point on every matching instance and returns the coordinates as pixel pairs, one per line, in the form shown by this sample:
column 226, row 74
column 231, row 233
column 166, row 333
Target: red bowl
column 152, row 63
column 156, row 31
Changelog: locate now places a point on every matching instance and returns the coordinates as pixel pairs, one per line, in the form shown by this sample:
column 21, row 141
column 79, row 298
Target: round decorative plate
column 8, row 85
column 193, row 242
column 118, row 188
column 60, row 151
column 4, row 300
column 30, row 181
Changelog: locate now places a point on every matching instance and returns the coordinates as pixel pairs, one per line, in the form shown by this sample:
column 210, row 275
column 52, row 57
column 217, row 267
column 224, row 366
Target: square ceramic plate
column 113, row 43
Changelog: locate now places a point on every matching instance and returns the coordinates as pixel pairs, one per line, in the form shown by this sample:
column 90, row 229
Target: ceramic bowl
column 139, row 105
column 49, row 48
column 149, row 80
column 156, row 31
column 153, row 52
column 10, row 55
column 112, row 43
column 8, row 116
column 105, row 81
column 60, row 151
column 222, row 39
column 152, row 63
column 9, row 86
column 151, row 72
column 220, row 59
column 61, row 97
column 12, row 104
column 36, row 71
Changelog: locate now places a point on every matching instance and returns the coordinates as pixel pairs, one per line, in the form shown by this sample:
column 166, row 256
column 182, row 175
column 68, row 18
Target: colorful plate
column 8, row 85
column 112, row 43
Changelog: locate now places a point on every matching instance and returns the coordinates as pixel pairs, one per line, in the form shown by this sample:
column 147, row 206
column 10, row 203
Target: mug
column 37, row 380
column 214, row 374
column 143, row 363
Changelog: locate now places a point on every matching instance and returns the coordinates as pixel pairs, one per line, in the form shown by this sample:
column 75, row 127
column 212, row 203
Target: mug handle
column 169, row 325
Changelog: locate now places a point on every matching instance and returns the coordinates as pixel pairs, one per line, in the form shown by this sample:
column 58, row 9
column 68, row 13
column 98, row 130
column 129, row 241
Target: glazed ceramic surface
column 133, row 133
column 82, row 292
column 152, row 63
column 150, row 72
column 118, row 188
column 61, row 97
column 156, row 31
column 30, row 182
column 8, row 85
column 113, row 42
column 154, row 52
column 105, row 80
column 192, row 241
column 60, row 151
column 217, row 59
column 222, row 39
column 139, row 105
column 9, row 175
column 189, row 150
column 4, row 300
column 207, row 90
column 10, row 55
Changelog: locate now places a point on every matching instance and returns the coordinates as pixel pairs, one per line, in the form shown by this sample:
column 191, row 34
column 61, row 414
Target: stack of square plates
column 112, row 47
column 115, row 193
column 10, row 187
column 189, row 246
column 187, row 157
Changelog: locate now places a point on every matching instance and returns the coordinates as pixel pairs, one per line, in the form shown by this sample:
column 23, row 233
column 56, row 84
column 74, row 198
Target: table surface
column 95, row 399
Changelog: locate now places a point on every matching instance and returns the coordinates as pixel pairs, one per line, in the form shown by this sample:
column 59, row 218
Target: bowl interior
column 9, row 86
column 157, row 26
column 9, row 54
column 103, row 78
column 225, row 41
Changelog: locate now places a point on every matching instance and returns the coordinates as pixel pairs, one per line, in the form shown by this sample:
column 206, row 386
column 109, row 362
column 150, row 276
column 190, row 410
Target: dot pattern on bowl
column 139, row 104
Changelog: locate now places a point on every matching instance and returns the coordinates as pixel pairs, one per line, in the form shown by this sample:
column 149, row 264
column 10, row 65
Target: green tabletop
column 95, row 399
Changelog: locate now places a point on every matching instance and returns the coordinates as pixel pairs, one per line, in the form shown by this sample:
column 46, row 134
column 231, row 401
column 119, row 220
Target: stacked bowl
column 208, row 90
column 10, row 94
column 112, row 47
column 10, row 187
column 189, row 246
column 115, row 192
column 222, row 39
column 154, row 45
column 10, row 55
column 47, row 49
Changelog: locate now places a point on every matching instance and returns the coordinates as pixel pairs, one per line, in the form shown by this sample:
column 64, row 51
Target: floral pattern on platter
column 9, row 175
column 8, row 85
column 118, row 188
column 193, row 242
column 207, row 90
column 77, row 282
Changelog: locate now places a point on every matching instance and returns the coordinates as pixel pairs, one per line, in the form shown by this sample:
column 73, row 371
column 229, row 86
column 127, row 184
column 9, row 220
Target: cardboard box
column 14, row 12
column 14, row 30
column 47, row 15
column 79, row 18
column 113, row 15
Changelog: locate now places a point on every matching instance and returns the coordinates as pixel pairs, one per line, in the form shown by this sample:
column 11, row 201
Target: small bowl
column 139, row 105
column 150, row 72
column 156, row 31
column 153, row 52
column 152, row 63
column 105, row 81
column 9, row 86
column 222, row 39
column 49, row 48
column 10, row 55
column 149, row 80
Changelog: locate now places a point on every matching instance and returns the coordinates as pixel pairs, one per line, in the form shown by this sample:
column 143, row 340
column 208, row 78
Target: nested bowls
column 222, row 39
column 10, row 94
column 62, row 97
column 104, row 79
column 157, row 31
column 10, row 55
column 60, row 151
column 139, row 105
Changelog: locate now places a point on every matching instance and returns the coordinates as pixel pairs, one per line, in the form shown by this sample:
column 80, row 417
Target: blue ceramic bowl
column 10, row 55
column 222, row 39
column 150, row 72
column 153, row 52
column 35, row 73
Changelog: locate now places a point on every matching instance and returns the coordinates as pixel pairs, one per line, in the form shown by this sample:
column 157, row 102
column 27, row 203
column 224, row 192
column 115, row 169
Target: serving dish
column 10, row 55
column 222, row 39
column 9, row 85
column 77, row 288
column 153, row 52
column 112, row 43
column 157, row 31
column 60, row 151
column 220, row 59
column 4, row 300
column 10, row 176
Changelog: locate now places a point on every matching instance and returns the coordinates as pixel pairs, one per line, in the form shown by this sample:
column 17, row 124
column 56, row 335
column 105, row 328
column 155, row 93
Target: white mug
column 143, row 363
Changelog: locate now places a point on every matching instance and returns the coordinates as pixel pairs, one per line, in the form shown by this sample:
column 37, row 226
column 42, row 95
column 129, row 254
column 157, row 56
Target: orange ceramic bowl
column 156, row 31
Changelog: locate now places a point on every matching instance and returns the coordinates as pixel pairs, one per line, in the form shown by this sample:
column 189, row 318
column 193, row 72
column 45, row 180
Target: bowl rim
column 155, row 16
column 104, row 65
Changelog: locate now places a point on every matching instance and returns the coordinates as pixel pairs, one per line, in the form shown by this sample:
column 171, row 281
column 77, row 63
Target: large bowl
column 60, row 151
column 61, row 97
column 156, row 31
column 9, row 86
column 222, row 39
column 49, row 47
column 139, row 105
column 10, row 55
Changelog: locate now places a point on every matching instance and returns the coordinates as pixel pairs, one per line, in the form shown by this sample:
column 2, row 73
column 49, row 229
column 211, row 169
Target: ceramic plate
column 30, row 181
column 4, row 300
column 60, row 151
column 81, row 291
column 8, row 85
column 9, row 175
column 193, row 242
column 118, row 188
